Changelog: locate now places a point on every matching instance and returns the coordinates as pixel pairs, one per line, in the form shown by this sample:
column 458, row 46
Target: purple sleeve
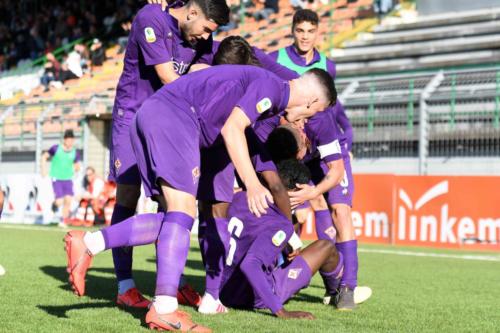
column 271, row 65
column 78, row 157
column 263, row 252
column 344, row 124
column 331, row 68
column 52, row 150
column 327, row 138
column 151, row 28
column 273, row 55
column 261, row 95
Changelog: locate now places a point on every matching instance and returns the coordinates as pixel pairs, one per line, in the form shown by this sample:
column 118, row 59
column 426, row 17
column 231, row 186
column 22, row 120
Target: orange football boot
column 79, row 260
column 133, row 298
column 188, row 296
column 175, row 321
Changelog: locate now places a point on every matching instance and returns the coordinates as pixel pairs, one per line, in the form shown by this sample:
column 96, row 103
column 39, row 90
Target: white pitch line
column 433, row 255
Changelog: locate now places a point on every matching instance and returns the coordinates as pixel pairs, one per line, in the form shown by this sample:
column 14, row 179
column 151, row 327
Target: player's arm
column 43, row 163
column 233, row 134
column 76, row 162
column 152, row 33
column 166, row 72
column 278, row 191
column 258, row 256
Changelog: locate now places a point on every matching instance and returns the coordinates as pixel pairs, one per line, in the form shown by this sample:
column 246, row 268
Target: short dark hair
column 293, row 172
column 327, row 82
column 305, row 15
column 235, row 50
column 282, row 144
column 215, row 10
column 69, row 134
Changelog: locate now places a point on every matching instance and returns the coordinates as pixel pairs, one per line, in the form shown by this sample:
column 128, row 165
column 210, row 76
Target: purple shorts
column 289, row 280
column 122, row 162
column 343, row 192
column 217, row 175
column 166, row 143
column 62, row 188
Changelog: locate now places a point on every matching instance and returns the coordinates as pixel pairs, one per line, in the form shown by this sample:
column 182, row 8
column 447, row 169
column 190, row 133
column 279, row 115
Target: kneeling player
column 253, row 277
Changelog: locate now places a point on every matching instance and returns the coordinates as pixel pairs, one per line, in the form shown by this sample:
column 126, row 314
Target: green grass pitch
column 410, row 294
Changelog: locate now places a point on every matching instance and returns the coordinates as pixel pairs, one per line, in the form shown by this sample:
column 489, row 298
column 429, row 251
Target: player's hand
column 257, row 197
column 351, row 156
column 163, row 3
column 305, row 192
column 294, row 315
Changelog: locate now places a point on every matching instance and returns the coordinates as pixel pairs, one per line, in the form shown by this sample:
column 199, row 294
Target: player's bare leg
column 213, row 238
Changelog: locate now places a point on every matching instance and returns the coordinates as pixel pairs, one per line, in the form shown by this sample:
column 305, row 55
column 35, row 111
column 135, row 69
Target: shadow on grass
column 103, row 288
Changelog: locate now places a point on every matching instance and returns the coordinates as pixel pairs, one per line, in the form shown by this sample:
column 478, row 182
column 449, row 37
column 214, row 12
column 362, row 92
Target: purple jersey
column 254, row 248
column 193, row 110
column 325, row 138
column 214, row 92
column 154, row 39
column 299, row 60
column 344, row 124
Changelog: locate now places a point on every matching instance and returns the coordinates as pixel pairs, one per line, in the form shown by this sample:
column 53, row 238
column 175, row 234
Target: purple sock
column 324, row 225
column 171, row 252
column 331, row 280
column 214, row 249
column 137, row 230
column 349, row 250
column 122, row 257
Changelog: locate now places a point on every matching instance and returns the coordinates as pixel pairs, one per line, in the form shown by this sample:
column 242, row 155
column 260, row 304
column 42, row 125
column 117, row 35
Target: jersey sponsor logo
column 150, row 35
column 263, row 105
column 279, row 238
column 196, row 174
column 331, row 232
column 294, row 273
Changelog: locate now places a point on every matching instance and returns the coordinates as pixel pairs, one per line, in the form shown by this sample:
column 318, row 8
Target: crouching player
column 254, row 276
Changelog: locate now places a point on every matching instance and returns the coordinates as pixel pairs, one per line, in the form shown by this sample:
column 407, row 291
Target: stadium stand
column 434, row 41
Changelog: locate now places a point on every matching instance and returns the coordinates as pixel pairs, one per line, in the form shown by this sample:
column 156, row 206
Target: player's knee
column 319, row 203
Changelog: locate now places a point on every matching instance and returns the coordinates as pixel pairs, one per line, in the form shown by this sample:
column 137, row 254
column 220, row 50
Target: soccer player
column 215, row 189
column 253, row 277
column 65, row 161
column 208, row 107
column 161, row 47
column 300, row 57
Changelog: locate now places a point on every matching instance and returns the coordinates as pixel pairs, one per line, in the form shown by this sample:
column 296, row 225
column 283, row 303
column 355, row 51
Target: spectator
column 72, row 65
column 97, row 53
column 51, row 72
column 270, row 7
column 65, row 161
column 89, row 205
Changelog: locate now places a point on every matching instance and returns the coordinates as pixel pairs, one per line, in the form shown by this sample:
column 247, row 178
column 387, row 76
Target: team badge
column 279, row 238
column 196, row 174
column 264, row 105
column 331, row 232
column 345, row 191
column 118, row 164
column 294, row 273
column 150, row 35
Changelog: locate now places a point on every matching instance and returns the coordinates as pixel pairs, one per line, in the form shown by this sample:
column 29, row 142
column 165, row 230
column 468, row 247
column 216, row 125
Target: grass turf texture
column 410, row 294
